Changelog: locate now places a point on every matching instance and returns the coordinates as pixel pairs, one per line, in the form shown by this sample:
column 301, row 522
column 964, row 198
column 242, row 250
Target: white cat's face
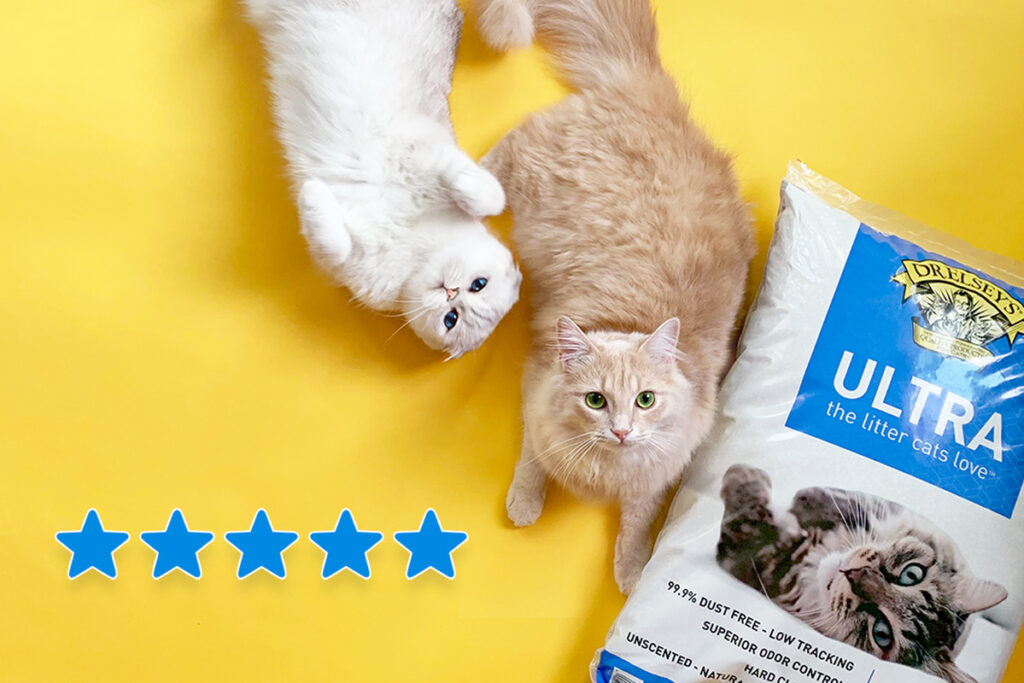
column 462, row 293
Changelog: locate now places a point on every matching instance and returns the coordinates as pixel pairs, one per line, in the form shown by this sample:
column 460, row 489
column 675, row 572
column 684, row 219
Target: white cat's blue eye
column 881, row 633
column 911, row 575
column 478, row 284
column 450, row 319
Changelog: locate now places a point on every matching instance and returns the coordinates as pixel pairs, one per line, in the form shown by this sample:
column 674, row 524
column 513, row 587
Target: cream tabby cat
column 629, row 222
column 389, row 205
column 857, row 568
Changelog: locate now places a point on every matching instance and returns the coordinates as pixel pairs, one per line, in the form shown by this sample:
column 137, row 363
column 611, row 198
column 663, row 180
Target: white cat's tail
column 596, row 42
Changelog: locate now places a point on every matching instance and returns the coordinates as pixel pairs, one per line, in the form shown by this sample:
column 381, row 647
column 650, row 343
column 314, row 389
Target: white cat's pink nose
column 451, row 293
column 621, row 434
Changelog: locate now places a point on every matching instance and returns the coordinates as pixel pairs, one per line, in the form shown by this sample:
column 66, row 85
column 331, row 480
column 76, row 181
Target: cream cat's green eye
column 645, row 399
column 595, row 400
column 911, row 575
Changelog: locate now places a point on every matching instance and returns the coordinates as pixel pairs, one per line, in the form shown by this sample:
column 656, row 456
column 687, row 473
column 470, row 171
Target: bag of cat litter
column 854, row 515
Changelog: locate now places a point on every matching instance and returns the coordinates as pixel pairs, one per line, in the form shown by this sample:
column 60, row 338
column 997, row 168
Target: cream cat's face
column 461, row 293
column 899, row 592
column 623, row 392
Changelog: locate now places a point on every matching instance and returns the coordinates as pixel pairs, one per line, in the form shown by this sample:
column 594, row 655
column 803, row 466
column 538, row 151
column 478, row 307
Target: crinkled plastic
column 855, row 515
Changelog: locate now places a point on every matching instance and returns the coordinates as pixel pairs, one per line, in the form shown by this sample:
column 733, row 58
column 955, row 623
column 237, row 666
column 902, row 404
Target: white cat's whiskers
column 402, row 314
column 413, row 317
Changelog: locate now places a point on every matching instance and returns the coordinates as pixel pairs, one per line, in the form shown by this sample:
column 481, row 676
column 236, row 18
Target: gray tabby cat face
column 855, row 567
column 899, row 592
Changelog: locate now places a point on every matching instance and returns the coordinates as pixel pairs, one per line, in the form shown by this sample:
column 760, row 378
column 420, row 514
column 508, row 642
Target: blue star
column 261, row 546
column 92, row 547
column 176, row 547
column 430, row 547
column 346, row 546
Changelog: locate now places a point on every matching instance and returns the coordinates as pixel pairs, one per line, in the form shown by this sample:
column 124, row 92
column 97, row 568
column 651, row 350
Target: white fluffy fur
column 389, row 205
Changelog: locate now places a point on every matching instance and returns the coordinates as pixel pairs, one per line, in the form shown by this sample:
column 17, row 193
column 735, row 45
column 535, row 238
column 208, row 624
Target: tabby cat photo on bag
column 857, row 568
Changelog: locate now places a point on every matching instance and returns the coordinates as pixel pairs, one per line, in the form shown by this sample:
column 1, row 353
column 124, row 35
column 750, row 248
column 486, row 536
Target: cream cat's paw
column 628, row 567
column 523, row 505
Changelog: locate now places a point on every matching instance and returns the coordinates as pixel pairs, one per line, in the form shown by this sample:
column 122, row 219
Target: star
column 346, row 546
column 431, row 547
column 92, row 547
column 261, row 546
column 176, row 547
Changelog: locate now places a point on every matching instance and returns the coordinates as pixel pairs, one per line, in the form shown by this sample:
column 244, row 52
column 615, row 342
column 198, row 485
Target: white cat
column 389, row 205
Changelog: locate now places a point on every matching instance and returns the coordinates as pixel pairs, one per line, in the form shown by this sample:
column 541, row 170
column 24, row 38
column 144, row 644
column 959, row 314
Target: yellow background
column 165, row 341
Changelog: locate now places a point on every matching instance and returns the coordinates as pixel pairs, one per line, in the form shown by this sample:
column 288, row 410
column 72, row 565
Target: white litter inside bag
column 855, row 514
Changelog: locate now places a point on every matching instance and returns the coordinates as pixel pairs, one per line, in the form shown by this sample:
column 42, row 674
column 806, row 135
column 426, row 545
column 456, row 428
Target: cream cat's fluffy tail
column 597, row 42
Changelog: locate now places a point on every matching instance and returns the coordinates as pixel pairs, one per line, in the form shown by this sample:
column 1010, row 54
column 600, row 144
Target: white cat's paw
column 478, row 193
column 314, row 197
column 523, row 506
column 322, row 224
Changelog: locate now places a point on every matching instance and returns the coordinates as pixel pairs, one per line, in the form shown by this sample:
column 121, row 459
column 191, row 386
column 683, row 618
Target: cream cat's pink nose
column 621, row 434
column 451, row 293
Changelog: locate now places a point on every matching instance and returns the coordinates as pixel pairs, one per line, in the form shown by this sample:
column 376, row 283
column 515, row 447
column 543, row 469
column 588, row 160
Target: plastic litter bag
column 855, row 514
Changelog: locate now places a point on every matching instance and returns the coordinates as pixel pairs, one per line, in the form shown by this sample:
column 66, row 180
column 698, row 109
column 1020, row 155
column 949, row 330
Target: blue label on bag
column 613, row 669
column 919, row 365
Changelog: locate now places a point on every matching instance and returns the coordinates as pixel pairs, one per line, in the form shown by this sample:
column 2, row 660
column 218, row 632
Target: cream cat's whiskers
column 554, row 448
column 567, row 462
column 658, row 443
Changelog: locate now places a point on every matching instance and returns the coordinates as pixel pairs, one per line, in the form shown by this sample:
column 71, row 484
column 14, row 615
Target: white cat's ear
column 974, row 595
column 661, row 345
column 573, row 344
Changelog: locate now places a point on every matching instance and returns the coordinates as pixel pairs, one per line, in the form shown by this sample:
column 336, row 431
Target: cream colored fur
column 626, row 217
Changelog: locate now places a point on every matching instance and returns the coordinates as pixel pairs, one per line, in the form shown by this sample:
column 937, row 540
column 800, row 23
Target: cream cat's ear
column 974, row 595
column 661, row 345
column 573, row 344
